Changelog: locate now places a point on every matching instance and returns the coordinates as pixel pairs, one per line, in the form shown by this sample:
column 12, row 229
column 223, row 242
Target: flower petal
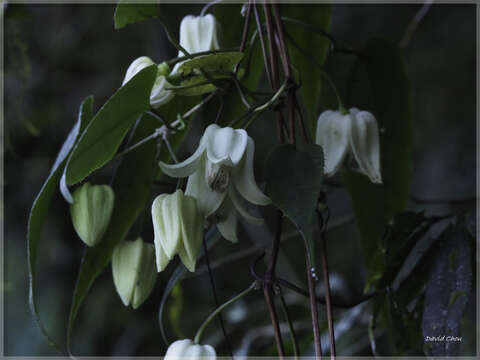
column 160, row 235
column 188, row 166
column 244, row 179
column 228, row 227
column 170, row 212
column 207, row 200
column 159, row 96
column 366, row 145
column 138, row 64
column 192, row 229
column 333, row 135
column 237, row 202
column 227, row 146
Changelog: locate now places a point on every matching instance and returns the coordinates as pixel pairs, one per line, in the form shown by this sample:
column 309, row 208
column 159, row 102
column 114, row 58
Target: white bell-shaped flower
column 178, row 229
column 352, row 137
column 159, row 94
column 187, row 349
column 221, row 174
column 198, row 34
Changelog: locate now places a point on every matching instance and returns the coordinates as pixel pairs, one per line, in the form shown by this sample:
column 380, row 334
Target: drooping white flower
column 187, row 349
column 159, row 94
column 197, row 34
column 133, row 268
column 352, row 137
column 220, row 177
column 178, row 229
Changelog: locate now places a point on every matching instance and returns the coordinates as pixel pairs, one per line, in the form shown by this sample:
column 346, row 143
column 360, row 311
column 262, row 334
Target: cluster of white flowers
column 221, row 182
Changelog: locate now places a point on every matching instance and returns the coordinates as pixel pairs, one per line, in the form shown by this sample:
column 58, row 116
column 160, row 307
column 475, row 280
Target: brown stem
column 314, row 310
column 271, row 46
column 328, row 301
column 244, row 35
column 267, row 292
column 281, row 41
column 276, row 246
column 262, row 44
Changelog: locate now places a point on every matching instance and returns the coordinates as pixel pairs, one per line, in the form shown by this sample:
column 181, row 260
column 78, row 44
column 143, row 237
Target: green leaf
column 41, row 204
column 195, row 76
column 219, row 64
column 314, row 50
column 384, row 91
column 132, row 186
column 294, row 179
column 102, row 137
column 128, row 12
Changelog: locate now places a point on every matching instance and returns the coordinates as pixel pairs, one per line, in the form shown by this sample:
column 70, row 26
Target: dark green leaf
column 375, row 205
column 102, row 137
column 448, row 289
column 401, row 235
column 128, row 12
column 314, row 49
column 132, row 186
column 195, row 76
column 42, row 202
column 219, row 64
column 294, row 178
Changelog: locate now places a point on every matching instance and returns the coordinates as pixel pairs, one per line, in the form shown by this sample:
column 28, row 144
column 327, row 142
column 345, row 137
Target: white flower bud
column 91, row 211
column 159, row 95
column 187, row 349
column 178, row 229
column 133, row 268
column 198, row 34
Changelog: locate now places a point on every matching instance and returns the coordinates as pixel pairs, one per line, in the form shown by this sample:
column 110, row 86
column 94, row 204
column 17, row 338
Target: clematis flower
column 351, row 138
column 178, row 229
column 198, row 34
column 133, row 268
column 220, row 177
column 187, row 349
column 159, row 95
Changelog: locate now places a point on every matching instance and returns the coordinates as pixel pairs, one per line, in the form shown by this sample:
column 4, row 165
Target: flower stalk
column 207, row 321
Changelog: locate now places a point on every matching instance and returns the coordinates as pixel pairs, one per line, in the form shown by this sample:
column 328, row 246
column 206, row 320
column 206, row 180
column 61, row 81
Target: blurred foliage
column 50, row 69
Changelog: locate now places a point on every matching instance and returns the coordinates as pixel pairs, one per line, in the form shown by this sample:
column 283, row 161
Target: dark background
column 54, row 56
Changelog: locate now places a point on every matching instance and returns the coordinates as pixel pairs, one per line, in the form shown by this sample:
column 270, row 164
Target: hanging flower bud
column 159, row 95
column 352, row 139
column 91, row 211
column 133, row 268
column 178, row 229
column 198, row 34
column 187, row 349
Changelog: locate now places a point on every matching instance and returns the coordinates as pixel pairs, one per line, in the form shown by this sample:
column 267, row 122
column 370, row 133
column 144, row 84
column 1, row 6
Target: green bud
column 133, row 267
column 178, row 229
column 91, row 211
column 163, row 69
